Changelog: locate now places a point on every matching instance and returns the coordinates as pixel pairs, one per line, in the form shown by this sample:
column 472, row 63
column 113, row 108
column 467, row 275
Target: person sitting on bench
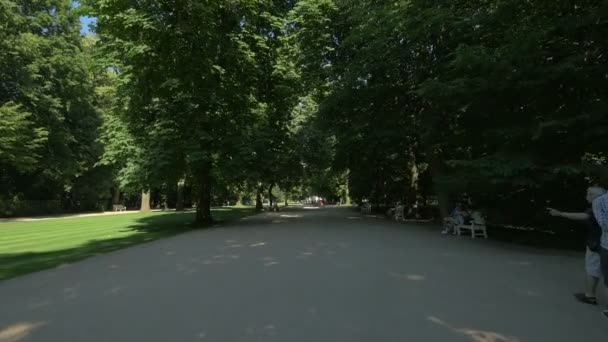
column 458, row 216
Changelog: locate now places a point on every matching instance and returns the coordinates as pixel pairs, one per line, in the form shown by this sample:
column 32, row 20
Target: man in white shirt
column 596, row 258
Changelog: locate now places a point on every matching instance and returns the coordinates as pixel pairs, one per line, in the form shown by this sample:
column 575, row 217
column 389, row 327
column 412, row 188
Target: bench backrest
column 478, row 218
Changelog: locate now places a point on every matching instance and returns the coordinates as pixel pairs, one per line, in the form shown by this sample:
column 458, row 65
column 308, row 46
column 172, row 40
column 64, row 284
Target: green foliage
column 19, row 141
column 411, row 101
column 494, row 101
column 205, row 92
column 48, row 121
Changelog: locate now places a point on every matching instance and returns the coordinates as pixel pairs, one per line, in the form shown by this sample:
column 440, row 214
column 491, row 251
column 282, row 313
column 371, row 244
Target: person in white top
column 593, row 241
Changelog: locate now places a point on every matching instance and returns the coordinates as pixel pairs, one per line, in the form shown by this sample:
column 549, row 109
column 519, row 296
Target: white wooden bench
column 118, row 207
column 366, row 208
column 477, row 226
column 399, row 215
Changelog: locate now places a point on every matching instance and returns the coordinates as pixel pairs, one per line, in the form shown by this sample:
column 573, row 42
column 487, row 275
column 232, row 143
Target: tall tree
column 185, row 70
column 45, row 89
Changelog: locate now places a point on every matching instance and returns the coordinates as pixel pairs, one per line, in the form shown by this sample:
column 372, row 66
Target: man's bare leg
column 589, row 297
column 592, row 283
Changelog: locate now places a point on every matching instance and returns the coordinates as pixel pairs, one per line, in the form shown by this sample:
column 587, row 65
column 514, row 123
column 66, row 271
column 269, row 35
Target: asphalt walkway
column 306, row 275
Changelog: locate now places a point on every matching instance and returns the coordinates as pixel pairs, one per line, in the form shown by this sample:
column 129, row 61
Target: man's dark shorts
column 604, row 264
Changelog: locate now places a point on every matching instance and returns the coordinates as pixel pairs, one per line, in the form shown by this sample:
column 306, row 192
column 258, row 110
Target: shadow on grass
column 145, row 229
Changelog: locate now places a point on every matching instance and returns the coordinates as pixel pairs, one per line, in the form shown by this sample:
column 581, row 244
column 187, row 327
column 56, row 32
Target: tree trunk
column 412, row 186
column 347, row 189
column 115, row 194
column 270, row 195
column 443, row 196
column 286, row 202
column 145, row 201
column 203, row 207
column 258, row 199
column 179, row 206
column 376, row 190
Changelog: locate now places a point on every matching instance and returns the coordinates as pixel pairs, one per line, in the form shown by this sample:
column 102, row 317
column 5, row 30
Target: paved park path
column 308, row 276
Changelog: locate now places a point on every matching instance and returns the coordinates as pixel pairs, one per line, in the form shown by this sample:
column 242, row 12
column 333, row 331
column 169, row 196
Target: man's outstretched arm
column 570, row 216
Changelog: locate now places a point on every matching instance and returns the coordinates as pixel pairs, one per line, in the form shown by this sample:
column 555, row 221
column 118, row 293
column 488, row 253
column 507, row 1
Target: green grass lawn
column 31, row 246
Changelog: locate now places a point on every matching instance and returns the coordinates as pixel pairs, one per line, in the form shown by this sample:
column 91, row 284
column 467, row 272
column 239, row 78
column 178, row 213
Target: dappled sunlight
column 354, row 217
column 291, row 216
column 269, row 261
column 38, row 305
column 19, row 331
column 278, row 221
column 188, row 267
column 412, row 277
column 71, row 292
column 528, row 293
column 213, row 261
column 267, row 330
column 239, row 244
column 486, row 336
column 304, row 255
column 116, row 290
column 311, row 208
column 343, row 265
column 474, row 334
column 320, row 249
column 519, row 263
column 187, row 270
column 416, row 277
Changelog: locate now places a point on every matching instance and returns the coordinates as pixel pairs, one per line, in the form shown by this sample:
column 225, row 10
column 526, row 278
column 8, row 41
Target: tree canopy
column 424, row 102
